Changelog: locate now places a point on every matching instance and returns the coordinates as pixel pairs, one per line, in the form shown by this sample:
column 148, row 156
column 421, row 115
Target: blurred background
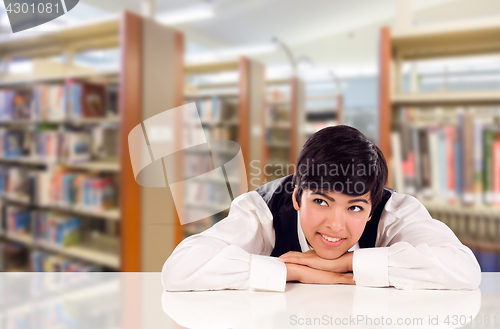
column 419, row 78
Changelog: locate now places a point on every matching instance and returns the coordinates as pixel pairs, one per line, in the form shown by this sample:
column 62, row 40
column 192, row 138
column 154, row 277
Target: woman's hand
column 310, row 259
column 305, row 274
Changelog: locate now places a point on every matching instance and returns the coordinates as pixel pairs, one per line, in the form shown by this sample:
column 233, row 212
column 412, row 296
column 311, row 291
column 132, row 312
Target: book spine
column 434, row 162
column 488, row 165
column 468, row 159
column 478, row 161
column 450, row 163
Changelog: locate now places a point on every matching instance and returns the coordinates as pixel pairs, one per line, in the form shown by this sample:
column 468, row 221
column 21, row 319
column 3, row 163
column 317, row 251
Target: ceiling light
column 183, row 16
column 230, row 53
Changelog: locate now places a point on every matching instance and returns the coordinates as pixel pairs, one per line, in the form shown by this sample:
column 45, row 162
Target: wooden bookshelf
column 432, row 42
column 285, row 124
column 148, row 74
column 322, row 110
column 448, row 98
column 242, row 102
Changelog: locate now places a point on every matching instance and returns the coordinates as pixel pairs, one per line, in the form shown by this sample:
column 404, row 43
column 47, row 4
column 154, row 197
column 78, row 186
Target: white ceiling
column 337, row 34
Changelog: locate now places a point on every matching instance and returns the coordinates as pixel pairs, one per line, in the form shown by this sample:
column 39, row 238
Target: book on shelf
column 60, row 187
column 42, row 261
column 15, row 104
column 210, row 109
column 50, row 144
column 84, row 191
column 453, row 159
column 112, row 98
column 56, row 229
column 46, row 143
column 201, row 194
column 76, row 146
column 49, row 102
column 85, row 100
column 17, row 220
column 13, row 181
column 12, row 143
column 104, row 141
column 72, row 99
column 4, row 174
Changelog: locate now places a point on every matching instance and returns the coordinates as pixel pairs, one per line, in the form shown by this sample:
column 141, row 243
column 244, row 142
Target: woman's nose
column 335, row 220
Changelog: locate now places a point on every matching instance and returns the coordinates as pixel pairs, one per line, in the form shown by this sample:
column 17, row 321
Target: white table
column 136, row 300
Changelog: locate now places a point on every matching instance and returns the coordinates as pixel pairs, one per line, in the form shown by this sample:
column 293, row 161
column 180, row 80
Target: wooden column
column 130, row 116
column 251, row 118
column 384, row 130
column 179, row 100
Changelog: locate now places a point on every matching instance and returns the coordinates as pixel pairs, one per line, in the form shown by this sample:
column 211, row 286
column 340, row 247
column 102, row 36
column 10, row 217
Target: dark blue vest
column 278, row 197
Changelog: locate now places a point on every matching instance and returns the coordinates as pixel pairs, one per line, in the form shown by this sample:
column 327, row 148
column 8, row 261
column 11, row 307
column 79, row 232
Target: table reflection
column 59, row 300
column 310, row 306
column 137, row 300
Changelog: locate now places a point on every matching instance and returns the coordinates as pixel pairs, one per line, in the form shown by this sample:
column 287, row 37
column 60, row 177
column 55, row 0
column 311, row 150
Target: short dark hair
column 335, row 156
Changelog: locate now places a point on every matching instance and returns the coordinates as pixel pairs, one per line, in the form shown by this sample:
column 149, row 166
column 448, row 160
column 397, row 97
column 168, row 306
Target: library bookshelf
column 229, row 111
column 285, row 126
column 322, row 109
column 436, row 142
column 111, row 237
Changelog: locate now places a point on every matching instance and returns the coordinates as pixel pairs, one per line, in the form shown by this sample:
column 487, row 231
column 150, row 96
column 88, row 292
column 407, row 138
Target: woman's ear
column 294, row 199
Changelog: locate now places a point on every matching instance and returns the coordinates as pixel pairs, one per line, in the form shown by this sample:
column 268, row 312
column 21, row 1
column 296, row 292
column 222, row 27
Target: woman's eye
column 321, row 202
column 356, row 208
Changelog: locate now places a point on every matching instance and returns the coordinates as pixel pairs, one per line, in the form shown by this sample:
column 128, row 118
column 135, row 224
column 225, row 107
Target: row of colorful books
column 211, row 109
column 69, row 188
column 71, row 100
column 452, row 156
column 51, row 145
column 41, row 261
column 44, row 226
column 59, row 187
column 56, row 229
column 16, row 220
column 68, row 146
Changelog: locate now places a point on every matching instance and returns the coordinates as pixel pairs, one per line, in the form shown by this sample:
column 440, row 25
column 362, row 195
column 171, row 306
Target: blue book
column 488, row 261
column 13, row 143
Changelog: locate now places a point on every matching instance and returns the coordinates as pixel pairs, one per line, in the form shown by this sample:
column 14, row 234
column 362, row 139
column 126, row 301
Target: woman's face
column 332, row 222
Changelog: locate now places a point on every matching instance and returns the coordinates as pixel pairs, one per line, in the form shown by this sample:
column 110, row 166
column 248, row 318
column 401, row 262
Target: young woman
column 332, row 222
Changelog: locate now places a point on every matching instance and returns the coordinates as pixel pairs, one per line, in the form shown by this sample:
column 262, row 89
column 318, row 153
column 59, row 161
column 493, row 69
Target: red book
column 450, row 161
column 93, row 100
